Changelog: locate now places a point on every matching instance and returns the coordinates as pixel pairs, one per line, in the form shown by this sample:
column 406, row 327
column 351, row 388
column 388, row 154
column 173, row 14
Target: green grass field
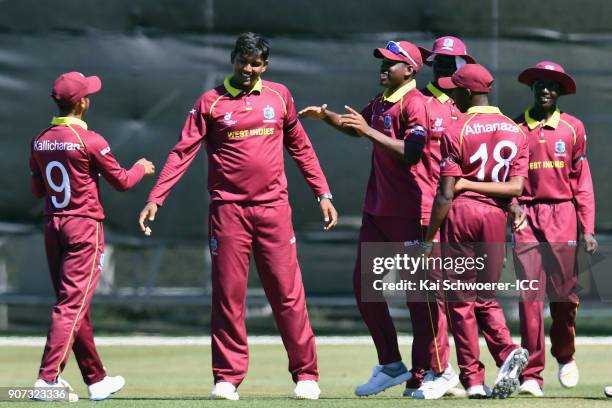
column 179, row 376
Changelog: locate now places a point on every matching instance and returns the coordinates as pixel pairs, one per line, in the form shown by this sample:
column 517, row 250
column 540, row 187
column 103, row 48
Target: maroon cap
column 447, row 45
column 68, row 88
column 474, row 77
column 549, row 70
column 401, row 51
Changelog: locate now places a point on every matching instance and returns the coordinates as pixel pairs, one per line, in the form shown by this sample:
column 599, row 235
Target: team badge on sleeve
column 417, row 133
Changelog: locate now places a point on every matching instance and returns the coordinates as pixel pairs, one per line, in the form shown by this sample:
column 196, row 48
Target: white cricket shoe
column 60, row 383
column 456, row 392
column 568, row 374
column 507, row 381
column 307, row 389
column 608, row 391
column 105, row 388
column 382, row 378
column 531, row 387
column 224, row 391
column 435, row 386
column 478, row 392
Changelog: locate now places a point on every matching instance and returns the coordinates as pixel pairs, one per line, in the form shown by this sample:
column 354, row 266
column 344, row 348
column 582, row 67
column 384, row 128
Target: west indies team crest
column 560, row 148
column 268, row 112
column 388, row 121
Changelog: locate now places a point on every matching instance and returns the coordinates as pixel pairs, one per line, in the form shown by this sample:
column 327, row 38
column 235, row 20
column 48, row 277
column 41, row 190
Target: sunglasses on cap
column 397, row 49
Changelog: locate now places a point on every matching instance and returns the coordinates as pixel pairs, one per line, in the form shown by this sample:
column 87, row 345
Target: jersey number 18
column 502, row 162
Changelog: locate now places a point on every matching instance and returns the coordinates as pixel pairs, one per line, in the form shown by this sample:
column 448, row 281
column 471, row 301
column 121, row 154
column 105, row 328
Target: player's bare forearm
column 354, row 120
column 441, row 207
column 393, row 146
column 508, row 189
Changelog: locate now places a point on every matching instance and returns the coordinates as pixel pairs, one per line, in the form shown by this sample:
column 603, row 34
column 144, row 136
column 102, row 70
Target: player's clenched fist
column 148, row 166
column 147, row 215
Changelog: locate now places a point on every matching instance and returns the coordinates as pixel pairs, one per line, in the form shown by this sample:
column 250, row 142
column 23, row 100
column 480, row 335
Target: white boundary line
column 253, row 340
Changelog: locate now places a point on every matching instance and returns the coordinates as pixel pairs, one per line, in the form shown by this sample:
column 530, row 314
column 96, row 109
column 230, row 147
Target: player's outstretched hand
column 590, row 243
column 314, row 112
column 147, row 215
column 330, row 215
column 518, row 217
column 148, row 166
column 355, row 121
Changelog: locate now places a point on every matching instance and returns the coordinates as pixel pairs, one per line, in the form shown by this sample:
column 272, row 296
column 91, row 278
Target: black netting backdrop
column 156, row 57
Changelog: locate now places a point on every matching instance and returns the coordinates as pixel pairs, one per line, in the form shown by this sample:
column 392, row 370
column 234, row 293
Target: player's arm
column 441, row 205
column 450, row 170
column 38, row 185
column 582, row 188
column 331, row 118
column 417, row 134
column 507, row 189
column 177, row 163
column 121, row 179
column 356, row 121
column 300, row 149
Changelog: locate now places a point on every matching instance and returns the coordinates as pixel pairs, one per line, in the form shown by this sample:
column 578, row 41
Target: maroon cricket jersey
column 442, row 114
column 244, row 134
column 558, row 169
column 395, row 188
column 66, row 161
column 484, row 145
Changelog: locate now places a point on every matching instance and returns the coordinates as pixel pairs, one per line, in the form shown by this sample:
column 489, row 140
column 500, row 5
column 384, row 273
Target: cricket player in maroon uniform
column 484, row 163
column 66, row 161
column 558, row 192
column 397, row 203
column 244, row 124
column 446, row 56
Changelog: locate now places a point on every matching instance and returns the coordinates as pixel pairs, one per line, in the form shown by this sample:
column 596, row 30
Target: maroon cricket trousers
column 236, row 230
column 473, row 229
column 545, row 250
column 430, row 347
column 75, row 249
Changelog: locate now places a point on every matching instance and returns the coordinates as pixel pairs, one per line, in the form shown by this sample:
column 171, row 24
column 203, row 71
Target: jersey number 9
column 63, row 187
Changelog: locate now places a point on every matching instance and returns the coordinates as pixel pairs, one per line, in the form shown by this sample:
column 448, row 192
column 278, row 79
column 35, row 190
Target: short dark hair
column 251, row 43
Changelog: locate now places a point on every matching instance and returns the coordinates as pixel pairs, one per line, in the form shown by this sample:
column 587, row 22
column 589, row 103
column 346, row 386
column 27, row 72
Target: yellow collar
column 483, row 109
column 438, row 94
column 67, row 121
column 552, row 122
column 235, row 91
column 399, row 92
